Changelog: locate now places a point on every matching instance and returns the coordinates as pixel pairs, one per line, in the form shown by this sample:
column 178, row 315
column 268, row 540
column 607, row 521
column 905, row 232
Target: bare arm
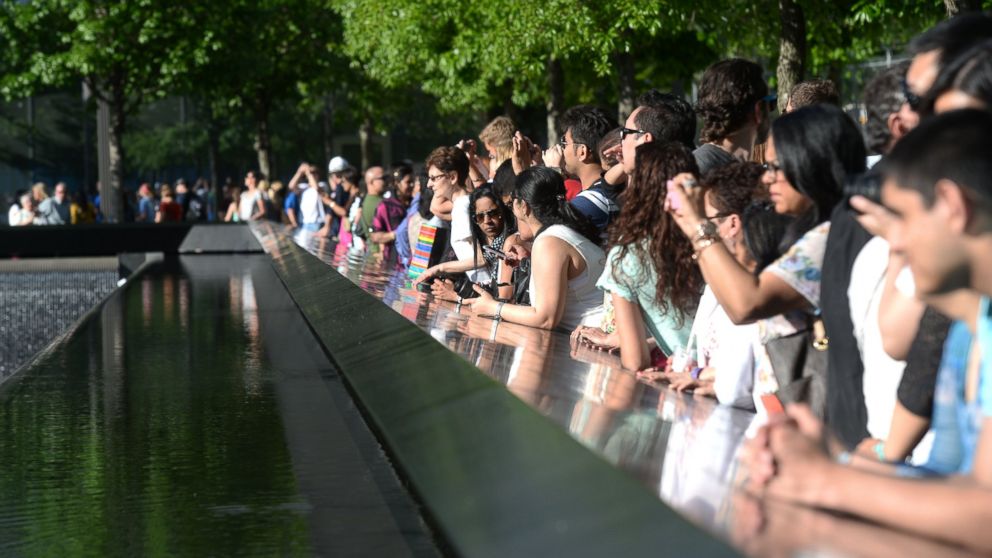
column 898, row 314
column 550, row 272
column 634, row 351
column 232, row 210
column 261, row 210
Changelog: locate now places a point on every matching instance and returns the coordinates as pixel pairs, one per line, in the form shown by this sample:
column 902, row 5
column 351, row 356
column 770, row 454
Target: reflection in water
column 143, row 434
column 683, row 447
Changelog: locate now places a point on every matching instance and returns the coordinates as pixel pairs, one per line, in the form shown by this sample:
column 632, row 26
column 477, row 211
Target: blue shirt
column 292, row 206
column 146, row 208
column 402, row 246
column 598, row 203
column 985, row 344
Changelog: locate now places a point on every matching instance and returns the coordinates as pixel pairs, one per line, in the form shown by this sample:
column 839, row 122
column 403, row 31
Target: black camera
column 868, row 184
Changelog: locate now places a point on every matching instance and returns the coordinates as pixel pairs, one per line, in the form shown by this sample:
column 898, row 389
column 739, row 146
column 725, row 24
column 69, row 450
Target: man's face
column 630, row 142
column 60, row 192
column 570, row 154
column 933, row 250
column 375, row 181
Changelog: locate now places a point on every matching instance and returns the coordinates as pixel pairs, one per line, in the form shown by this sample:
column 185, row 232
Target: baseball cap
column 337, row 164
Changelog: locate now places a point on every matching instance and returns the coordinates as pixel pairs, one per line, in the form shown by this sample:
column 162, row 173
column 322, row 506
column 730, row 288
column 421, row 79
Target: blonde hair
column 263, row 185
column 39, row 191
column 499, row 135
column 277, row 186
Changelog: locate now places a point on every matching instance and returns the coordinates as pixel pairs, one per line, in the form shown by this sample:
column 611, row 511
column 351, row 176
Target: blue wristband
column 695, row 373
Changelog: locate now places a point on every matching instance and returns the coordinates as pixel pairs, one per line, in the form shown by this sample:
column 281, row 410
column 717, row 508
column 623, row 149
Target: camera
column 868, row 185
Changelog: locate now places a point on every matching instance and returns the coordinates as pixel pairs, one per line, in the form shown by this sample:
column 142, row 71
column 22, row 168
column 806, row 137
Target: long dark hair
column 763, row 232
column 818, row 147
column 544, row 191
column 647, row 230
column 509, row 224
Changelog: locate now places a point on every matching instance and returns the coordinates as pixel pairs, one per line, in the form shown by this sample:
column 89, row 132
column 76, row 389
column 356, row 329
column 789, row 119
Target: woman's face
column 728, row 226
column 440, row 182
column 520, row 212
column 488, row 217
column 787, row 199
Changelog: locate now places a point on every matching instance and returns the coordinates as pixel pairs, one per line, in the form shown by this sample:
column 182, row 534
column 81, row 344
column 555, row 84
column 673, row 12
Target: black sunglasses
column 912, row 99
column 624, row 132
column 494, row 214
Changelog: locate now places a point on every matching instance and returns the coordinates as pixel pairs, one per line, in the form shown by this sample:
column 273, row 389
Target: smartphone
column 773, row 405
column 494, row 252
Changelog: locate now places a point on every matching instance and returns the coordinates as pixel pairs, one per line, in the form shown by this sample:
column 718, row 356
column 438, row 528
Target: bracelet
column 460, row 301
column 703, row 244
column 880, row 451
column 695, row 373
column 499, row 311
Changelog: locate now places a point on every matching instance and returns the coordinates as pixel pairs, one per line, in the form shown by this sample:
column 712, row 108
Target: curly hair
column 647, row 231
column 731, row 188
column 728, row 92
column 814, row 92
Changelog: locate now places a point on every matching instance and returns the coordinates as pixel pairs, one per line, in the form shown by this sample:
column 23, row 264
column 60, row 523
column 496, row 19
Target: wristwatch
column 705, row 229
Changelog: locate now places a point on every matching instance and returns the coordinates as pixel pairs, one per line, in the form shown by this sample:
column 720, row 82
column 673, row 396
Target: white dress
column 583, row 301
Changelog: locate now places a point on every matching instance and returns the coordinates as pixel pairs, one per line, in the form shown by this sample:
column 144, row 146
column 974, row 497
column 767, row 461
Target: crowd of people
column 833, row 277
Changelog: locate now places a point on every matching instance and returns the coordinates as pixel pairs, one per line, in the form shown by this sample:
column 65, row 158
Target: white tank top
column 583, row 301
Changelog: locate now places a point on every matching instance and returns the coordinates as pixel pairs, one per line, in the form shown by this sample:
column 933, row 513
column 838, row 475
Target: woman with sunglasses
column 493, row 232
column 566, row 260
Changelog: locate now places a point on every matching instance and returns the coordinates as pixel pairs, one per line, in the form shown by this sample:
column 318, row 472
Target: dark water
column 192, row 417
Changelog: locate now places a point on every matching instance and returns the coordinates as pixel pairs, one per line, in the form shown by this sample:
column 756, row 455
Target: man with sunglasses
column 734, row 105
column 584, row 126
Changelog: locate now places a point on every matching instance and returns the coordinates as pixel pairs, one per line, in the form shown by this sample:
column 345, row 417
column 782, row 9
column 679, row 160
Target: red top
column 171, row 211
column 572, row 188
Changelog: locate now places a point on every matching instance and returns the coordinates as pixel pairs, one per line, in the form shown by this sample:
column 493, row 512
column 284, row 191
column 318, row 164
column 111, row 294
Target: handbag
column 799, row 362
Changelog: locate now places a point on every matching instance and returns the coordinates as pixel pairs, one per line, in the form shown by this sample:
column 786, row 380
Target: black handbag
column 799, row 362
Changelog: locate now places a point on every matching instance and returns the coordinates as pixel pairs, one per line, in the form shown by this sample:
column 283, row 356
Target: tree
column 125, row 52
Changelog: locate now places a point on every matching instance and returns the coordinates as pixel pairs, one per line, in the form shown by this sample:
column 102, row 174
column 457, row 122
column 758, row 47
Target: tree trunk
column 365, row 143
column 263, row 142
column 114, row 192
column 954, row 7
column 792, row 49
column 213, row 152
column 327, row 128
column 625, row 69
column 556, row 98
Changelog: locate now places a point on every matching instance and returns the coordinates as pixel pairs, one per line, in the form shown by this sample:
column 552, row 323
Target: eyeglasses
column 492, row 214
column 564, row 143
column 771, row 167
column 435, row 177
column 624, row 132
column 912, row 99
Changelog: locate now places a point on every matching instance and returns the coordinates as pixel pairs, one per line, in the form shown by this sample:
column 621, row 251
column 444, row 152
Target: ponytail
column 544, row 191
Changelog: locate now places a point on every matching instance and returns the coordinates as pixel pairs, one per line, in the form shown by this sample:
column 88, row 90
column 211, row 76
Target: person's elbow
column 743, row 313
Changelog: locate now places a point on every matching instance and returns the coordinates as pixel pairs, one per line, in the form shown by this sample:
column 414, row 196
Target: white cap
column 337, row 164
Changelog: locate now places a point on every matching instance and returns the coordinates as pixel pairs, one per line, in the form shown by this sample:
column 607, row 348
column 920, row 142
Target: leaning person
column 566, row 260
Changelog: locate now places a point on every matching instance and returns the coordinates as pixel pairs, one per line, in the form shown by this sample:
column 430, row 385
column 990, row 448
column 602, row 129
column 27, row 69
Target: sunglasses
column 624, row 132
column 492, row 214
column 912, row 99
column 562, row 142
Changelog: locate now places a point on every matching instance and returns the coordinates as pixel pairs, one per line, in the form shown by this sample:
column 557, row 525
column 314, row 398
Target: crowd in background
column 834, row 278
column 841, row 269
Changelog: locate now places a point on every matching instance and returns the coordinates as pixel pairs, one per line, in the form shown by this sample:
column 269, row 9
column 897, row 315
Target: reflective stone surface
column 195, row 415
column 682, row 448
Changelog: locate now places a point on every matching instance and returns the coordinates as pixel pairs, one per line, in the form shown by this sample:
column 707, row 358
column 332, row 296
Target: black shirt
column 846, row 413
